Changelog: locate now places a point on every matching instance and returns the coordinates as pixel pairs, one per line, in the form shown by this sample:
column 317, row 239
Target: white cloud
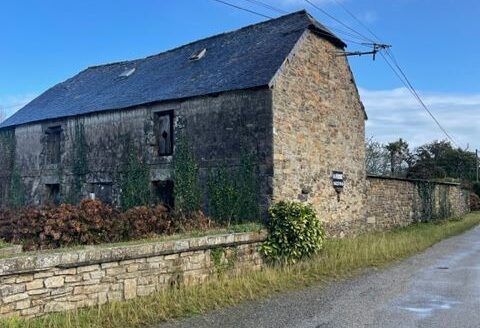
column 10, row 104
column 396, row 114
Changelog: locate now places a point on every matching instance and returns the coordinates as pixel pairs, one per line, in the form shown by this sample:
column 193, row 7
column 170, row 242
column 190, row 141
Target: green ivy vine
column 233, row 193
column 444, row 206
column 186, row 178
column 223, row 259
column 16, row 188
column 426, row 193
column 134, row 177
column 79, row 162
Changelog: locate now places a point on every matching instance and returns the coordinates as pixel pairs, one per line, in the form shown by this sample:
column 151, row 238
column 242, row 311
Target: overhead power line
column 267, row 6
column 283, row 12
column 357, row 19
column 242, row 8
column 266, row 16
column 338, row 21
column 399, row 72
column 396, row 69
column 406, row 82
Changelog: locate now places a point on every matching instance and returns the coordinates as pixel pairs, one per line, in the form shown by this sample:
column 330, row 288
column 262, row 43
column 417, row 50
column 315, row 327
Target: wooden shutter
column 164, row 133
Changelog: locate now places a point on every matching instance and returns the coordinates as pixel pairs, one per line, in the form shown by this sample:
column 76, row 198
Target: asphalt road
column 438, row 288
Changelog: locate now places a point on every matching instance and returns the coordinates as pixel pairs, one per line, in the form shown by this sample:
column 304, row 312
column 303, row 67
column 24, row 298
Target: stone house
column 277, row 90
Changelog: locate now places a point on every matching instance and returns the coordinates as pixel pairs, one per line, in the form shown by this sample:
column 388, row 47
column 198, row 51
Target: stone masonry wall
column 319, row 128
column 37, row 284
column 218, row 128
column 396, row 202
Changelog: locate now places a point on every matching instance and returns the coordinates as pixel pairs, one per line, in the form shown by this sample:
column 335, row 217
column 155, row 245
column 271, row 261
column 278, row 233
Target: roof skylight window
column 199, row 54
column 128, row 72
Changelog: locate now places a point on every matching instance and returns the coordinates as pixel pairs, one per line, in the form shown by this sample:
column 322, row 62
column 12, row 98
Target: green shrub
column 295, row 233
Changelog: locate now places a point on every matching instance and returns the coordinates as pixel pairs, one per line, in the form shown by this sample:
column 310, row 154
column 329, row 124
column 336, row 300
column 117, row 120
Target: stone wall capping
column 100, row 254
column 383, row 177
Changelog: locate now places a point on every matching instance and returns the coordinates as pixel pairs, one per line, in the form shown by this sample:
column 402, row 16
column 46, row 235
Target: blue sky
column 45, row 42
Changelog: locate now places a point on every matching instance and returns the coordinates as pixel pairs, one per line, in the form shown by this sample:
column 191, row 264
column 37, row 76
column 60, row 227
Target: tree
column 439, row 160
column 377, row 158
column 400, row 156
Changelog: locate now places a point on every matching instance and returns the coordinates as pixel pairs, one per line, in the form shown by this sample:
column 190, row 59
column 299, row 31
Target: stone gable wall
column 33, row 285
column 319, row 128
column 396, row 202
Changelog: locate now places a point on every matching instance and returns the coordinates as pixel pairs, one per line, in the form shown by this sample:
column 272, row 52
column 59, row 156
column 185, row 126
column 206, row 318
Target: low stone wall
column 32, row 285
column 395, row 202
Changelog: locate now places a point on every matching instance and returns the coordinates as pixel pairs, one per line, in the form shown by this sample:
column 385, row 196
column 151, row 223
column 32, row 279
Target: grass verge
column 340, row 258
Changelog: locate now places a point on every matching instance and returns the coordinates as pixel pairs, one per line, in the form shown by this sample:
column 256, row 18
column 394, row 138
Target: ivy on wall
column 444, row 206
column 426, row 193
column 7, row 148
column 16, row 189
column 16, row 194
column 222, row 196
column 186, row 182
column 233, row 194
column 134, row 178
column 431, row 208
column 79, row 162
column 223, row 259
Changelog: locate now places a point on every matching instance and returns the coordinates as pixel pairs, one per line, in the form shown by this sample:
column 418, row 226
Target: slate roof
column 242, row 59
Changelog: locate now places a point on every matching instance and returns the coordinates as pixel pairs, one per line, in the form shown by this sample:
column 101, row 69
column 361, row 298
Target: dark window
column 53, row 194
column 53, row 144
column 164, row 133
column 102, row 191
column 163, row 192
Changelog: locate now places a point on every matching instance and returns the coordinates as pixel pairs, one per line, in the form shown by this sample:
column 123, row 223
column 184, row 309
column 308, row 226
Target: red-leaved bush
column 474, row 201
column 147, row 221
column 92, row 222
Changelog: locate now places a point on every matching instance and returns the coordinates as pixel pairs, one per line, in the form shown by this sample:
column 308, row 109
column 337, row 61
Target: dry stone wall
column 33, row 285
column 396, row 202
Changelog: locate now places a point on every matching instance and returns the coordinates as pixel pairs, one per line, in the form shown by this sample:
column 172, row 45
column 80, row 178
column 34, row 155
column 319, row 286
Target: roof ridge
column 303, row 12
column 244, row 58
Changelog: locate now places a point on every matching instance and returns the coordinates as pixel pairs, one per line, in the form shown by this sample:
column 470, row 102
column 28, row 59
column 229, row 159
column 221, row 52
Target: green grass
column 340, row 258
column 3, row 244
